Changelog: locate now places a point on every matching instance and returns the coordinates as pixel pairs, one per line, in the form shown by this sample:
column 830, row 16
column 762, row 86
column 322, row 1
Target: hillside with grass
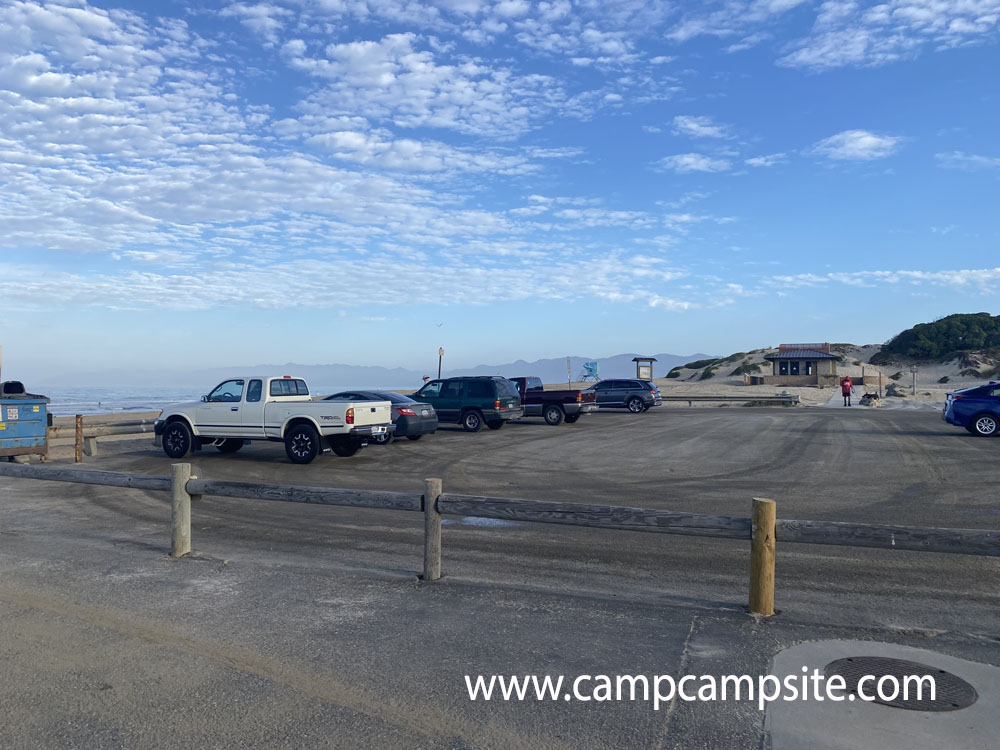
column 968, row 341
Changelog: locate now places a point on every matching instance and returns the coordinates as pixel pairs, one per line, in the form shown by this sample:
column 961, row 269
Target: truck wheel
column 177, row 440
column 495, row 424
column 230, row 445
column 345, row 447
column 635, row 405
column 414, row 437
column 571, row 418
column 553, row 415
column 302, row 444
column 472, row 421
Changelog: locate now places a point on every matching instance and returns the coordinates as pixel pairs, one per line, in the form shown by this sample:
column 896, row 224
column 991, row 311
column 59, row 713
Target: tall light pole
column 440, row 356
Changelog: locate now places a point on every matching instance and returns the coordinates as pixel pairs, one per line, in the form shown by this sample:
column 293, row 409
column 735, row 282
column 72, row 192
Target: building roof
column 800, row 354
column 798, row 347
column 643, row 359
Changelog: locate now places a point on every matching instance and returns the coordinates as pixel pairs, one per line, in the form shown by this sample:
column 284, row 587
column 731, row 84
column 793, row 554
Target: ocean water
column 66, row 401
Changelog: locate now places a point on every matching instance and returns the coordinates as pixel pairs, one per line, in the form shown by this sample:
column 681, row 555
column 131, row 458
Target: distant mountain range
column 355, row 376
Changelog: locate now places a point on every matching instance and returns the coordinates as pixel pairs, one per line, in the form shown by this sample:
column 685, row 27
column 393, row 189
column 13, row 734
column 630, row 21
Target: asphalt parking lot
column 297, row 625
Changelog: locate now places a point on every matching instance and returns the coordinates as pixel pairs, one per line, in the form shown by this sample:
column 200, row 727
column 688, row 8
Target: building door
column 794, row 367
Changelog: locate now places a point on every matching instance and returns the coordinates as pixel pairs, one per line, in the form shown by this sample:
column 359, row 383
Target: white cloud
column 392, row 79
column 845, row 32
column 732, row 17
column 857, row 145
column 261, row 18
column 284, row 283
column 983, row 279
column 383, row 150
column 683, row 163
column 961, row 160
column 699, row 127
column 769, row 160
column 748, row 42
column 599, row 217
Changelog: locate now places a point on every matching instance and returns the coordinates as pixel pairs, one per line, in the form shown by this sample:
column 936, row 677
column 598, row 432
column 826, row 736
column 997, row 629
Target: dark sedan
column 412, row 418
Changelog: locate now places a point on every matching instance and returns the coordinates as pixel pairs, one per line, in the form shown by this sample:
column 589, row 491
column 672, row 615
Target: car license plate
column 424, row 413
column 378, row 430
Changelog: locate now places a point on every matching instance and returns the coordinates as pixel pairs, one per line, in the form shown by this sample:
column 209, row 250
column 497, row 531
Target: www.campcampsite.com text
column 661, row 690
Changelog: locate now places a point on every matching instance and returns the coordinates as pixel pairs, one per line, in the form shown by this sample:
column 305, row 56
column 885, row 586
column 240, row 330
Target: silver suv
column 635, row 395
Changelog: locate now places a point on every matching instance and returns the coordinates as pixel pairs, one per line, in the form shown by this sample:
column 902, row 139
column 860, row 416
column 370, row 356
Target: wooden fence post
column 432, row 530
column 762, row 557
column 79, row 438
column 180, row 510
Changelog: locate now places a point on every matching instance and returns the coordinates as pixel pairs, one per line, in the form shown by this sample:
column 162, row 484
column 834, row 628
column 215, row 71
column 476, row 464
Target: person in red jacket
column 846, row 387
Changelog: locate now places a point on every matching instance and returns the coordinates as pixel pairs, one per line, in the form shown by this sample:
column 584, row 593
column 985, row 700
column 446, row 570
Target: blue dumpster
column 24, row 421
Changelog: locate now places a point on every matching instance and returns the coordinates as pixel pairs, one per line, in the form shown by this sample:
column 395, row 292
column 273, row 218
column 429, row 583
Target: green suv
column 473, row 401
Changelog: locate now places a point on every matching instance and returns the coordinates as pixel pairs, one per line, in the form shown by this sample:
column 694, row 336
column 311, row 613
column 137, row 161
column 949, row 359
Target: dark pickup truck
column 554, row 406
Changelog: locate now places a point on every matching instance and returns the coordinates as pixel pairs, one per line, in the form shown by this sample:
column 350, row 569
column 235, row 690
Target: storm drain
column 951, row 692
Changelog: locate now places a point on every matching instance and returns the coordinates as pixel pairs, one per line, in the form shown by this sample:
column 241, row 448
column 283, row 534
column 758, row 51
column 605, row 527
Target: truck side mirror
column 204, row 398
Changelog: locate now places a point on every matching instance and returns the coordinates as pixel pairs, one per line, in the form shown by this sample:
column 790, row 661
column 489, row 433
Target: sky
column 202, row 184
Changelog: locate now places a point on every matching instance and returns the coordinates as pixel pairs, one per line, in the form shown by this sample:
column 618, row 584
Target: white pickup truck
column 279, row 409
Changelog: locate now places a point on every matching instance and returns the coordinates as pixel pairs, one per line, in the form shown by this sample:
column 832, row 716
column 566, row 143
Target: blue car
column 976, row 409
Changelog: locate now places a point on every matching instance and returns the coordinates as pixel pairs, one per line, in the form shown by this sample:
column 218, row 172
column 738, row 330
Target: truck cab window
column 231, row 390
column 253, row 391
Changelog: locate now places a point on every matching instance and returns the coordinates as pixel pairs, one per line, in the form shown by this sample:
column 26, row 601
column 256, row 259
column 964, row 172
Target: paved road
column 303, row 626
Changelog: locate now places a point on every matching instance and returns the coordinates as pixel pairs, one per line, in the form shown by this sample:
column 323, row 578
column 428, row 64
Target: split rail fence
column 85, row 435
column 762, row 529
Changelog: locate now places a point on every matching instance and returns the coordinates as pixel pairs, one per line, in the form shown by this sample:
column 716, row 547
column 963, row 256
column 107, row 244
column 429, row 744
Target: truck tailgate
column 371, row 412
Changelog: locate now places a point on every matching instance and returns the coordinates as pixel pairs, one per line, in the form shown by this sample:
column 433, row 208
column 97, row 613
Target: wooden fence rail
column 87, row 476
column 913, row 538
column 763, row 530
column 599, row 516
column 130, row 427
column 303, row 494
column 85, row 435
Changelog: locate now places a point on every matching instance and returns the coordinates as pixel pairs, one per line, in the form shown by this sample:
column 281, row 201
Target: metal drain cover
column 951, row 692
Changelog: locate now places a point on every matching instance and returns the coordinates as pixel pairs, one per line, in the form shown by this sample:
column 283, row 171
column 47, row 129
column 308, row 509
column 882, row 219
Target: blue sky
column 362, row 181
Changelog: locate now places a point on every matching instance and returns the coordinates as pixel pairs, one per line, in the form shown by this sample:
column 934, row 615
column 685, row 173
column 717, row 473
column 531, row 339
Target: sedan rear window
column 396, row 398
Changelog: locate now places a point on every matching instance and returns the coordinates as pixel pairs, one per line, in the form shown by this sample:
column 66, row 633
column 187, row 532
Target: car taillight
column 579, row 397
column 652, row 393
column 350, row 416
column 496, row 404
column 406, row 412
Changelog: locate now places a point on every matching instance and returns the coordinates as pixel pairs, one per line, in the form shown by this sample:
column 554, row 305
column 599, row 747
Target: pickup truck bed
column 553, row 405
